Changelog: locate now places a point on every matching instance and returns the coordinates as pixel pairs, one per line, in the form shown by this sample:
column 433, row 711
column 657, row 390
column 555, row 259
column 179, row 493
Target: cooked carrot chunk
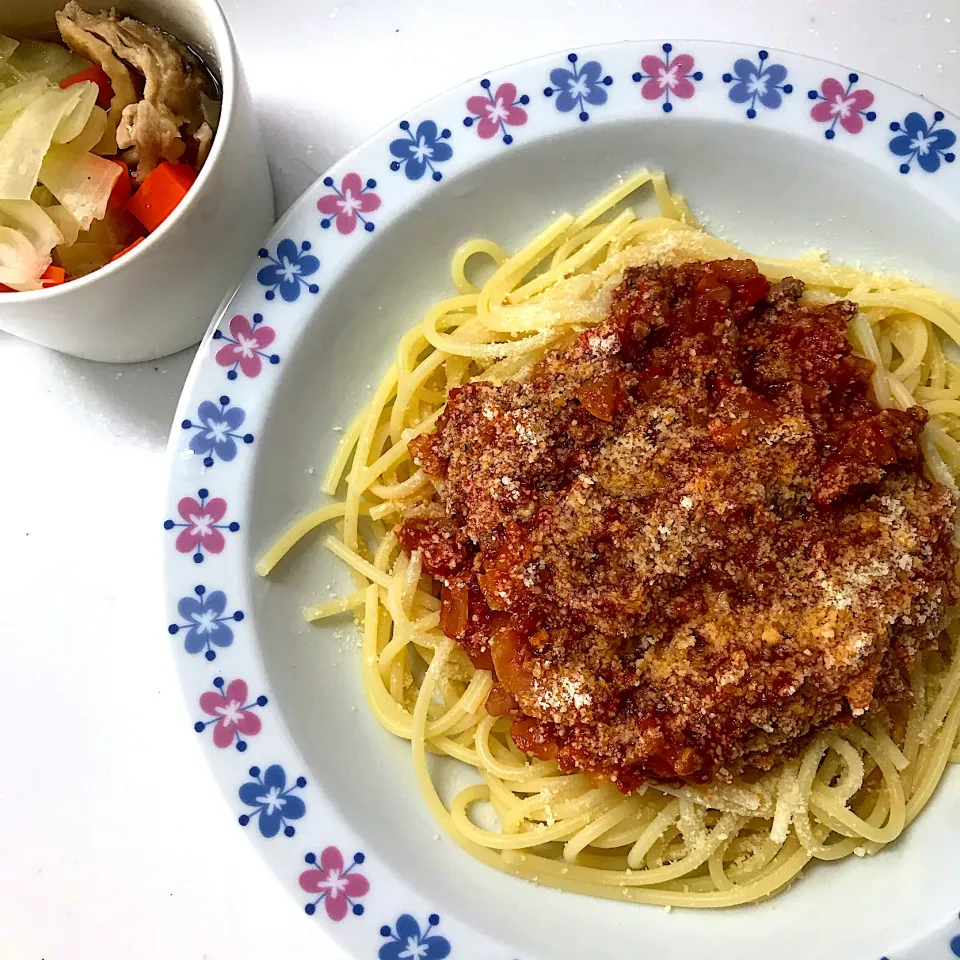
column 160, row 193
column 53, row 276
column 120, row 195
column 94, row 74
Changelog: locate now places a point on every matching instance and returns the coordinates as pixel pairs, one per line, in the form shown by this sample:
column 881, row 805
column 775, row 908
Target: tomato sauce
column 690, row 538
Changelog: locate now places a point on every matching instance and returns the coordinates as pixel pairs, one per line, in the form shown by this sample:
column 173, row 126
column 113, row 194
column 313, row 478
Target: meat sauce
column 690, row 538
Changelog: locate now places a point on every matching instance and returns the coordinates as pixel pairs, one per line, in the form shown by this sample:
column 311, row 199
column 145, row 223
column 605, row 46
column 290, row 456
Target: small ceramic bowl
column 159, row 298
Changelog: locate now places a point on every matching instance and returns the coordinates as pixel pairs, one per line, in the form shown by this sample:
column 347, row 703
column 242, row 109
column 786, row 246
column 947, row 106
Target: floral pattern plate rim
column 371, row 909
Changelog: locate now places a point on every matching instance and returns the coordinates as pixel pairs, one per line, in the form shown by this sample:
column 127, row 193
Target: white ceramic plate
column 777, row 152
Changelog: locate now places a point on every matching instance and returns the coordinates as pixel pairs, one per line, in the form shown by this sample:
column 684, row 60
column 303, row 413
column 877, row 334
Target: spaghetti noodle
column 850, row 791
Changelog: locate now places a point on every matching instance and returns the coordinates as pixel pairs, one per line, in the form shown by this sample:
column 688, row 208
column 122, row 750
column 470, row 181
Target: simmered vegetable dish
column 101, row 136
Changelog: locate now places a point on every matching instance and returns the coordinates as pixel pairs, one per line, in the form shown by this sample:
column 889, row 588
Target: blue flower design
column 273, row 802
column 578, row 86
column 287, row 271
column 206, row 621
column 408, row 943
column 923, row 143
column 418, row 152
column 216, row 428
column 763, row 82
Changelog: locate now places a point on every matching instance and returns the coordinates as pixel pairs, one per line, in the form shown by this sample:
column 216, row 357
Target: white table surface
column 114, row 840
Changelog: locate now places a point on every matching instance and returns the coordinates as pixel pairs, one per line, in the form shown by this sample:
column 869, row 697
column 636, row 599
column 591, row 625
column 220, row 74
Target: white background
column 114, row 840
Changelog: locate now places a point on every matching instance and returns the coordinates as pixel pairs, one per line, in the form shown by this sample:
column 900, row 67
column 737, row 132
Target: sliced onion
column 7, row 46
column 20, row 264
column 107, row 144
column 33, row 222
column 7, row 73
column 18, row 97
column 93, row 131
column 51, row 60
column 67, row 224
column 30, row 219
column 81, row 181
column 76, row 111
column 26, row 140
column 455, row 609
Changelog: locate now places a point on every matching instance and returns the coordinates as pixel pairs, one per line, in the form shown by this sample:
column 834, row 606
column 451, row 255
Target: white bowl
column 159, row 298
column 772, row 182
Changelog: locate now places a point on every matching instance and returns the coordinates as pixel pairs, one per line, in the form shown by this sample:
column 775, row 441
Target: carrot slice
column 161, row 191
column 126, row 250
column 120, row 195
column 94, row 74
column 53, row 276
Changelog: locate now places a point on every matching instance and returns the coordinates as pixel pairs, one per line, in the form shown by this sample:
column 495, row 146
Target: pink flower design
column 233, row 713
column 494, row 112
column 246, row 346
column 663, row 77
column 201, row 529
column 668, row 76
column 843, row 105
column 348, row 203
column 337, row 887
column 201, row 524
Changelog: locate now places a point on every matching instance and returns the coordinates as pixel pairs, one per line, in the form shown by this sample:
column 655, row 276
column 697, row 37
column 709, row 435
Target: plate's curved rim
column 382, row 907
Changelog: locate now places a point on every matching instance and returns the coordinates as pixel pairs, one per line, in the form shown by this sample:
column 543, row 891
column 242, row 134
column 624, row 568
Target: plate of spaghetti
column 564, row 514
